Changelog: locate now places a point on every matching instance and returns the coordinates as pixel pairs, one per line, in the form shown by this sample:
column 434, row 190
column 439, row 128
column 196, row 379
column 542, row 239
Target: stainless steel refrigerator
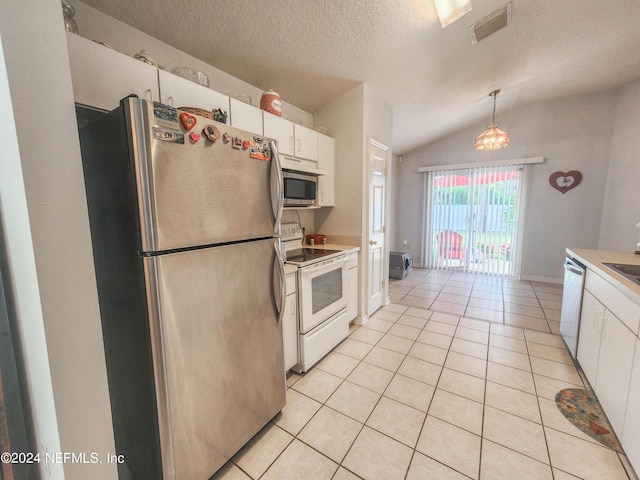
column 185, row 220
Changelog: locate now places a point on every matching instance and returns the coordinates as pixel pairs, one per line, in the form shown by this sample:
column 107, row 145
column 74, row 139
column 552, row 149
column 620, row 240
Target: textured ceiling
column 313, row 51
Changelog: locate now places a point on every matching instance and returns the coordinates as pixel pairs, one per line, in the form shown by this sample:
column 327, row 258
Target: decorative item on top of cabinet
column 563, row 182
column 270, row 102
column 196, row 76
column 144, row 56
column 175, row 91
column 68, row 12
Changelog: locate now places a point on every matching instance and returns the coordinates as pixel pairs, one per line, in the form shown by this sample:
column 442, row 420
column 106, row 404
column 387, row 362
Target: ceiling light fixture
column 493, row 138
column 451, row 10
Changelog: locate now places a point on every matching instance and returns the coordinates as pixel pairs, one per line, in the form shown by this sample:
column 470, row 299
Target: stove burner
column 301, row 255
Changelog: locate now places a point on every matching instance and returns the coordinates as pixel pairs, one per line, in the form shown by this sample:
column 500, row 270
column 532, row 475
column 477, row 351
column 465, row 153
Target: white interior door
column 375, row 243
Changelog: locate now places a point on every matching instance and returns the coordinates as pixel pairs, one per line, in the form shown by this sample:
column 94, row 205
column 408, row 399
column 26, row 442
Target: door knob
column 372, row 242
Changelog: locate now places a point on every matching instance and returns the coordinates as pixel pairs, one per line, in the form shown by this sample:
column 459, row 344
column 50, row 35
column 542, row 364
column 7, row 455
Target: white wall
column 572, row 134
column 95, row 25
column 48, row 241
column 622, row 201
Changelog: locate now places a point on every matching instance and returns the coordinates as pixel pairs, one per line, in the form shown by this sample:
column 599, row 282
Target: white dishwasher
column 574, row 273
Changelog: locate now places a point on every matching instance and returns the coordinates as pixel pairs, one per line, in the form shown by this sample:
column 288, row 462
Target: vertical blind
column 472, row 218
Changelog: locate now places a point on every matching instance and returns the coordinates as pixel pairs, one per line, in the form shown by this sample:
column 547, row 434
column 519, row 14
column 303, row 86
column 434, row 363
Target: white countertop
column 593, row 259
column 333, row 246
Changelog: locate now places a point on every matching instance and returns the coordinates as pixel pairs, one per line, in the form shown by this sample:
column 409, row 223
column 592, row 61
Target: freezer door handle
column 277, row 197
column 280, row 299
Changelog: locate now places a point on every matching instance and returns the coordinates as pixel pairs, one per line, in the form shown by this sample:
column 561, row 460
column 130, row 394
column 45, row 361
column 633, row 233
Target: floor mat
column 583, row 410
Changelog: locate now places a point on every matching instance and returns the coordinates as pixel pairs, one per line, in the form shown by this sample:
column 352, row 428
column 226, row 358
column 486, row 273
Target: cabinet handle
column 299, row 142
column 290, row 143
column 170, row 99
column 150, row 93
column 603, row 318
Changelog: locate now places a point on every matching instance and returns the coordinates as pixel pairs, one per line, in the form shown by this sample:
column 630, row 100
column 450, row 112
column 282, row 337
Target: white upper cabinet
column 306, row 142
column 102, row 76
column 326, row 162
column 245, row 116
column 280, row 130
column 179, row 92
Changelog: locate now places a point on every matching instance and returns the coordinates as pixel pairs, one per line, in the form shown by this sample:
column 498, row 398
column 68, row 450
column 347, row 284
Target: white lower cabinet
column 631, row 432
column 589, row 338
column 352, row 288
column 290, row 323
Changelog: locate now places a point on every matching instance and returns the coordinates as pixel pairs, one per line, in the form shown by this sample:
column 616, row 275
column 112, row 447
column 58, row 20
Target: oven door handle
column 279, row 295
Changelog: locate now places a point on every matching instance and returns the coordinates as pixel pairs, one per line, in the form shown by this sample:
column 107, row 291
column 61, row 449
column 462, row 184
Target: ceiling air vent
column 490, row 24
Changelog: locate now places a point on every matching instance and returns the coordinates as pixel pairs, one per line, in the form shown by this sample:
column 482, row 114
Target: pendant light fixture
column 493, row 138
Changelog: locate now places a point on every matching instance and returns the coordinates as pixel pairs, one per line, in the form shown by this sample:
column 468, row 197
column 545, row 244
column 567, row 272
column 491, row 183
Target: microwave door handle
column 277, row 198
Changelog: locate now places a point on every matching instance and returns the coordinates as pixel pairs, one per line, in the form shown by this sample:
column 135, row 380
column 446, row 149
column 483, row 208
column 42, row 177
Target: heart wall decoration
column 563, row 182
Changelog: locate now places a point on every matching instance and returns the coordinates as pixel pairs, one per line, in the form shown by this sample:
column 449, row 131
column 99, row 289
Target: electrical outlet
column 404, row 243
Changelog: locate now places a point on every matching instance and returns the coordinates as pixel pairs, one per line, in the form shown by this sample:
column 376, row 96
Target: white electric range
column 322, row 296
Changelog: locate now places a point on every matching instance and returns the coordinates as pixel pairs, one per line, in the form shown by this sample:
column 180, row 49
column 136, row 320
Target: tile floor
column 455, row 379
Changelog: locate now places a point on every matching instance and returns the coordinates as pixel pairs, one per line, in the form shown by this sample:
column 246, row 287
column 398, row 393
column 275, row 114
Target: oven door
column 323, row 291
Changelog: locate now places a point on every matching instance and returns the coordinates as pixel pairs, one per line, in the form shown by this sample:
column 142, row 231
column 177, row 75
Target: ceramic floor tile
column 559, row 371
column 413, row 301
column 551, row 304
column 410, row 392
column 371, row 377
column 583, row 459
column 484, row 314
column 457, row 410
column 354, row 348
column 509, row 358
column 396, row 297
column 523, row 321
column 499, row 462
column 297, row 412
column 511, row 377
column 256, row 456
column 437, row 439
column 550, row 353
column 560, row 475
column 508, row 343
column 387, row 359
column 392, row 307
column 376, row 456
column 338, row 364
column 436, row 339
column 513, row 401
column 386, row 315
column 414, row 322
column 396, row 344
column 462, row 384
column 548, row 387
column 475, row 324
column 428, row 353
column 520, row 300
column 292, row 377
column 545, row 339
column 366, row 335
column 440, row 327
column 419, row 312
column 230, row 472
column 455, row 290
column 515, row 433
column 424, row 294
column 487, row 304
column 410, row 333
column 420, row 370
column 301, row 461
column 557, row 297
column 547, row 288
column 472, row 335
column 444, row 317
column 523, row 310
column 487, row 292
column 472, row 349
column 507, row 331
column 554, row 327
column 552, row 418
column 379, row 324
column 627, row 466
column 331, row 433
column 344, row 474
column 466, row 364
column 453, row 298
column 317, row 384
column 399, row 421
column 423, row 467
column 354, row 401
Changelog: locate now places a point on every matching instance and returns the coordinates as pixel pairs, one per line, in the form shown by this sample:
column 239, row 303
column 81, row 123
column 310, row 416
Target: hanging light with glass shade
column 493, row 138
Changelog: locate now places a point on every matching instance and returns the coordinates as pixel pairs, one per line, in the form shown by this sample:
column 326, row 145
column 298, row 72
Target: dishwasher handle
column 574, row 266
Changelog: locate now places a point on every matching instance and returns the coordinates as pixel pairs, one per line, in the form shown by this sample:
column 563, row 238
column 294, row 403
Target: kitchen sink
column 632, row 272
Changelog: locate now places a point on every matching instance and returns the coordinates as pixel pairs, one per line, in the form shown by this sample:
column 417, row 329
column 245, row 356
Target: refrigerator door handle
column 279, row 302
column 277, row 198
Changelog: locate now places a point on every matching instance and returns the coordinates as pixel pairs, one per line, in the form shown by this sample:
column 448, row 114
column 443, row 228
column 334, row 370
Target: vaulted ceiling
column 436, row 80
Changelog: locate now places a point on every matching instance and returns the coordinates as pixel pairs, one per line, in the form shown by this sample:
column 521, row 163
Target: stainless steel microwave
column 300, row 189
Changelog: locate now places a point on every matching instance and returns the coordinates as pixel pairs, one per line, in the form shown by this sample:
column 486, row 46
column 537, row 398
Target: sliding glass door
column 473, row 219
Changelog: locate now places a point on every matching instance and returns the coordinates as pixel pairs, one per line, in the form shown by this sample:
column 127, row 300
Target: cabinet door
column 589, row 338
column 631, row 432
column 290, row 324
column 281, row 130
column 352, row 287
column 102, row 77
column 179, row 92
column 326, row 162
column 306, row 142
column 614, row 369
column 245, row 116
